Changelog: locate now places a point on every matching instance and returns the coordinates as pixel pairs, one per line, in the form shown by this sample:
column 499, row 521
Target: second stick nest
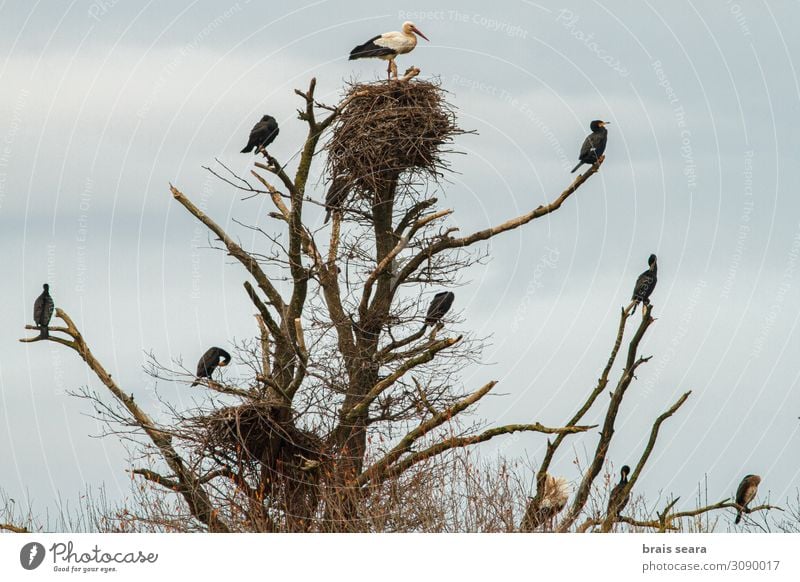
column 388, row 129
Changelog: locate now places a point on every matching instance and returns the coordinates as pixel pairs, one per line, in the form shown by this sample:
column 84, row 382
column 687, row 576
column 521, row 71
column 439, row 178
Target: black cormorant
column 440, row 304
column 336, row 195
column 208, row 363
column 746, row 493
column 43, row 309
column 646, row 283
column 616, row 492
column 594, row 145
column 263, row 133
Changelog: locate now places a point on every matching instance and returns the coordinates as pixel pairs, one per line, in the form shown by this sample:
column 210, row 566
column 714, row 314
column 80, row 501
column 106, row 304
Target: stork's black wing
column 370, row 49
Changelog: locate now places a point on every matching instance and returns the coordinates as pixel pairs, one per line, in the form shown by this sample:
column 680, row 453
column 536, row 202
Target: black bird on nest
column 616, row 493
column 263, row 133
column 43, row 309
column 645, row 284
column 208, row 363
column 594, row 145
column 745, row 494
column 440, row 304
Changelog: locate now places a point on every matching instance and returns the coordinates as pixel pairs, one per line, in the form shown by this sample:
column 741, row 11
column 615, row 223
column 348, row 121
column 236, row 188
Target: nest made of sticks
column 256, row 431
column 387, row 129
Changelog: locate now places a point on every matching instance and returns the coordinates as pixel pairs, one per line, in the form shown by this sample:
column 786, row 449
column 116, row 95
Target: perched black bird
column 646, row 283
column 264, row 133
column 43, row 309
column 615, row 499
column 440, row 304
column 336, row 195
column 594, row 145
column 746, row 493
column 208, row 363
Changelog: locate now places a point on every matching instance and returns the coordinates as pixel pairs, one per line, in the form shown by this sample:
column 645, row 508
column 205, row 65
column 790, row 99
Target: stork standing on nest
column 388, row 45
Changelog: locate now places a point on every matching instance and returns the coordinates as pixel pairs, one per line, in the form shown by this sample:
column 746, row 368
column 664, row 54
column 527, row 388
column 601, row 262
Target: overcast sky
column 104, row 103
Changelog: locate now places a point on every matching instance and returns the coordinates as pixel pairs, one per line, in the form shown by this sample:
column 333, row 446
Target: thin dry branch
column 236, row 251
column 14, row 528
column 614, row 508
column 607, row 432
column 196, row 498
column 602, row 383
column 448, row 242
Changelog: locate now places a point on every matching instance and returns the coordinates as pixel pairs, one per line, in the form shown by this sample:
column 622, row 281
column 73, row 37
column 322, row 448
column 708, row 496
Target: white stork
column 388, row 45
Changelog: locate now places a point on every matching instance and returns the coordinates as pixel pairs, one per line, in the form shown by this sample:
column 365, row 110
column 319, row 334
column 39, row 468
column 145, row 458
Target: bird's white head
column 411, row 28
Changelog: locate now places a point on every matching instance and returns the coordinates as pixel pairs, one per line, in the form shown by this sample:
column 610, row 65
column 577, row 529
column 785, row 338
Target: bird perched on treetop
column 746, row 493
column 263, row 133
column 440, row 304
column 208, row 363
column 594, row 145
column 645, row 284
column 388, row 45
column 43, row 309
column 616, row 502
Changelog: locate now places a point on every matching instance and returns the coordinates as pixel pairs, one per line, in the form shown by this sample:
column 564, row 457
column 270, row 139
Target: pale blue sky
column 103, row 104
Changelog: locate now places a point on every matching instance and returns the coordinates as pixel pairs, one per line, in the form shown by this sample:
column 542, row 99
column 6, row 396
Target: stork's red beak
column 419, row 32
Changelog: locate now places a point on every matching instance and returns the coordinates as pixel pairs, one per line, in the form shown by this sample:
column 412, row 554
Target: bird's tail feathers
column 738, row 516
column 44, row 332
column 327, row 217
column 195, row 383
column 247, row 149
column 576, row 167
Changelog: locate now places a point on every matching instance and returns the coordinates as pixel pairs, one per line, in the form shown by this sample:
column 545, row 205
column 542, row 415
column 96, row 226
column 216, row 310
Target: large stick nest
column 388, row 129
column 256, row 432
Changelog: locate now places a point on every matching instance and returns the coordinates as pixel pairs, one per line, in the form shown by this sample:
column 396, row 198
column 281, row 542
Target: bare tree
column 350, row 392
column 353, row 402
